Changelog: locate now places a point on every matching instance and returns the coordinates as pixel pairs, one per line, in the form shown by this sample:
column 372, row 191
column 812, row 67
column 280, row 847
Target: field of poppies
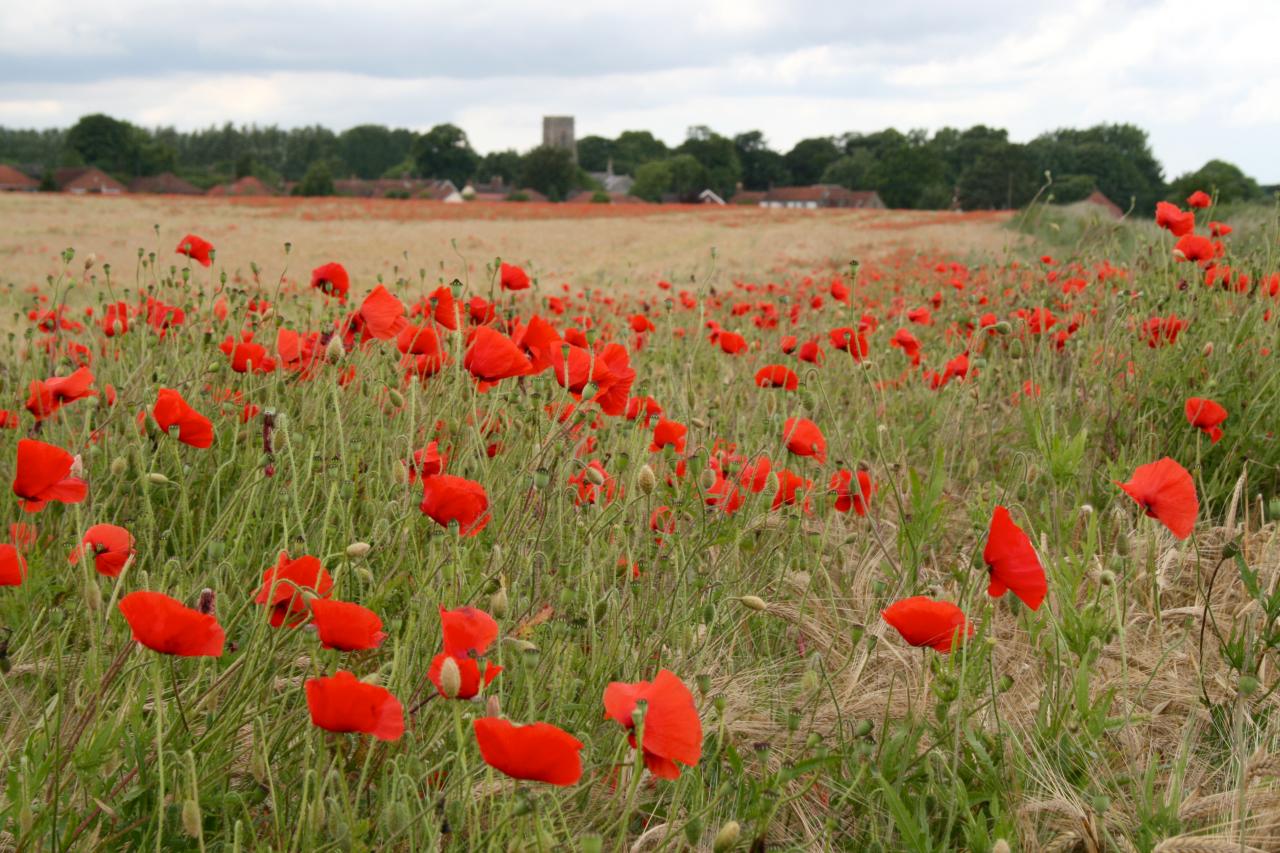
column 937, row 552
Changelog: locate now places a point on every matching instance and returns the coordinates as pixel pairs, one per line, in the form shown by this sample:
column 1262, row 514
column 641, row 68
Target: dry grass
column 580, row 244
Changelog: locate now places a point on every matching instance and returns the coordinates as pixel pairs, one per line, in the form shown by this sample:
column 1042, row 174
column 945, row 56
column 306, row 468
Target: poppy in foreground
column 847, row 498
column 110, row 545
column 1013, row 561
column 331, row 279
column 282, row 586
column 803, row 438
column 513, row 277
column 537, row 752
column 196, row 248
column 446, row 498
column 1206, row 416
column 467, row 633
column 344, row 703
column 345, row 626
column 777, row 376
column 44, row 474
column 672, row 730
column 51, row 394
column 166, row 625
column 924, row 622
column 1166, row 492
column 171, row 410
column 13, row 566
column 668, row 433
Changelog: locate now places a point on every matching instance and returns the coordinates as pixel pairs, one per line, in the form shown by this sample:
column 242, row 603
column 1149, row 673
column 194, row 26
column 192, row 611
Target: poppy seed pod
column 646, row 480
column 498, row 603
column 118, row 466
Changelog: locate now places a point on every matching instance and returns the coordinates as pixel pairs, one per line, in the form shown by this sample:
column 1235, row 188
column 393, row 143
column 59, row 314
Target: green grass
column 1103, row 721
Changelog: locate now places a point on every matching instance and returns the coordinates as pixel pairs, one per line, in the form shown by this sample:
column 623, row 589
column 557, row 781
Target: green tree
column 1001, row 177
column 304, row 146
column 762, row 167
column 549, row 170
column 500, row 164
column 689, row 176
column 633, row 148
column 810, row 158
column 910, row 174
column 653, row 180
column 369, row 150
column 318, row 181
column 594, row 153
column 719, row 159
column 444, row 152
column 1217, row 177
column 854, row 171
column 1117, row 156
column 108, row 143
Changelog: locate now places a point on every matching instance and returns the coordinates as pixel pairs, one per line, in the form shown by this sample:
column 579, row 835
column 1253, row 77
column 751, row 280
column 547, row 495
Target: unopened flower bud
column 77, row 466
column 450, row 678
column 356, row 550
column 492, row 706
column 595, row 476
column 498, row 603
column 206, row 602
column 158, row 478
column 191, row 820
column 520, row 645
column 118, row 466
column 707, row 479
column 754, row 602
column 92, row 597
column 646, row 480
column 334, row 350
column 1001, row 846
column 727, row 837
column 1208, row 349
column 698, row 422
column 90, row 260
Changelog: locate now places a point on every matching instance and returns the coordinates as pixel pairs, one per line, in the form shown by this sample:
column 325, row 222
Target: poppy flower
column 1219, row 229
column 668, row 433
column 792, row 489
column 195, row 248
column 1177, row 222
column 1195, row 248
column 908, row 343
column 331, row 279
column 344, row 703
column 472, row 677
column 732, row 343
column 513, row 277
column 924, row 622
column 803, row 438
column 848, row 499
column 1166, row 492
column 110, row 545
column 166, row 625
column 492, row 356
column 345, row 626
column 672, row 732
column 467, row 634
column 13, row 566
column 172, row 410
column 428, row 461
column 1206, row 416
column 381, row 314
column 283, row 583
column 247, row 355
column 446, row 498
column 1013, row 561
column 49, row 395
column 537, row 752
column 44, row 474
column 777, row 376
column 1199, row 199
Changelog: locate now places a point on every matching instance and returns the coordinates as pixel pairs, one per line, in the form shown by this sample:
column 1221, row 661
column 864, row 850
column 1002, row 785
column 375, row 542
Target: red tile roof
column 11, row 179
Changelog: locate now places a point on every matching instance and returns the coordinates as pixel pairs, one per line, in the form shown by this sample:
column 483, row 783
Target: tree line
column 977, row 168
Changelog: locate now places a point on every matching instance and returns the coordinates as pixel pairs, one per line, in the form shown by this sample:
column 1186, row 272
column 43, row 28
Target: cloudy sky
column 1202, row 77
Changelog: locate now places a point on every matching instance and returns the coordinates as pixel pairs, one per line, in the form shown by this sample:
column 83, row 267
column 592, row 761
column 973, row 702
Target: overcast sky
column 1202, row 77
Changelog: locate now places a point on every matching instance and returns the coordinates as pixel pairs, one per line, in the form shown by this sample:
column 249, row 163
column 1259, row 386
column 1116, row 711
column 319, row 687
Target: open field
column 626, row 245
column 963, row 547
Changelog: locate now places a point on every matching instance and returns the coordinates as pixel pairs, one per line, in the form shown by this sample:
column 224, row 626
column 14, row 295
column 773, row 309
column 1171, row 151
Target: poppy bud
column 1006, row 683
column 498, row 603
column 727, row 837
column 492, row 706
column 77, row 466
column 158, row 478
column 1106, row 577
column 397, row 399
column 1208, row 349
column 1001, row 846
column 646, row 480
column 356, row 550
column 334, row 351
column 90, row 261
column 541, row 479
column 191, row 820
column 808, row 681
column 595, row 477
column 1248, row 685
column 591, row 843
column 704, row 684
column 92, row 597
column 206, row 602
column 754, row 602
column 698, row 422
column 118, row 466
column 863, row 728
column 693, row 830
column 258, row 768
column 519, row 644
column 707, row 480
column 1003, row 327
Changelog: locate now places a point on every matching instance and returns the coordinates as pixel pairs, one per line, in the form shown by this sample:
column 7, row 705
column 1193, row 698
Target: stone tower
column 557, row 132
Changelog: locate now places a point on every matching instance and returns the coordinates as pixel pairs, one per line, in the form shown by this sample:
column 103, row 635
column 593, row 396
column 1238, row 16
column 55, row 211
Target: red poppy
column 1195, row 248
column 166, row 625
column 472, row 678
column 344, row 703
column 467, row 634
column 1206, row 416
column 732, row 343
column 381, row 314
column 668, row 433
column 195, row 248
column 908, row 343
column 345, row 626
column 792, row 489
column 672, row 731
column 1199, row 199
column 44, row 474
column 283, row 584
column 803, row 438
column 538, row 752
column 332, row 280
column 50, row 395
column 110, row 545
column 247, row 355
column 171, row 410
column 492, row 356
column 446, row 498
column 1219, row 229
column 1178, row 222
column 777, row 376
column 13, row 566
column 848, row 499
column 924, row 622
column 428, row 461
column 513, row 277
column 1013, row 561
column 1166, row 492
